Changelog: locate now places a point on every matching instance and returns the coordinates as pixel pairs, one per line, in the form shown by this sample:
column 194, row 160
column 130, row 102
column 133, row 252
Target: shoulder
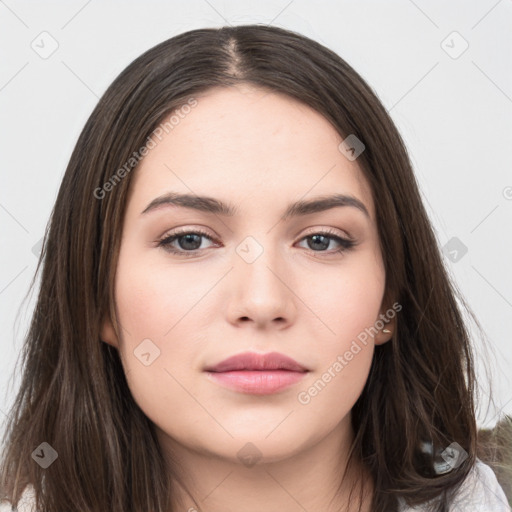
column 480, row 492
column 26, row 503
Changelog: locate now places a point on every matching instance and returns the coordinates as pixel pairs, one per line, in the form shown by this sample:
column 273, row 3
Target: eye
column 189, row 242
column 322, row 240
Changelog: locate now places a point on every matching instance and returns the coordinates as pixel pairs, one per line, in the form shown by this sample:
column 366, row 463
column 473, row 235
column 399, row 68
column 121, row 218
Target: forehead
column 245, row 142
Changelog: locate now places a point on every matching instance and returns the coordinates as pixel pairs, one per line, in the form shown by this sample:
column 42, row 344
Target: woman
column 305, row 352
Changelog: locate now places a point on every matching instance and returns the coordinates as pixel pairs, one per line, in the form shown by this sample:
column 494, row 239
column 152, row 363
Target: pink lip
column 260, row 374
column 257, row 382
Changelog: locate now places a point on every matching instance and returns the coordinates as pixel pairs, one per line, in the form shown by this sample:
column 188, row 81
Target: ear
column 108, row 333
column 386, row 324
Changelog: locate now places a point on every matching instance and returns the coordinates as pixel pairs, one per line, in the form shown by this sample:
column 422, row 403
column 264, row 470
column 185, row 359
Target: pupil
column 190, row 239
column 325, row 244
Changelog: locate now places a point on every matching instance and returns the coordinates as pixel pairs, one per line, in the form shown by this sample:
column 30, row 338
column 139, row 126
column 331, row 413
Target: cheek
column 155, row 349
column 154, row 299
column 343, row 359
column 349, row 303
column 348, row 299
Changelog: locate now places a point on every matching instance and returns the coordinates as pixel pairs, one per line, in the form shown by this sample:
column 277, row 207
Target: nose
column 262, row 290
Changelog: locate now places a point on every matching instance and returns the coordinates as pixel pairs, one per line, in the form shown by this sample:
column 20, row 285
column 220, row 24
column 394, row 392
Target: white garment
column 26, row 503
column 480, row 492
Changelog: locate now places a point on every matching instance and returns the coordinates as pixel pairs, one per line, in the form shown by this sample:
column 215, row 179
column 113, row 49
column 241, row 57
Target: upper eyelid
column 203, row 231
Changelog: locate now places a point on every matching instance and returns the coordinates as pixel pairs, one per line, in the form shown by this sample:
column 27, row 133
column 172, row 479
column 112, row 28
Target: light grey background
column 454, row 110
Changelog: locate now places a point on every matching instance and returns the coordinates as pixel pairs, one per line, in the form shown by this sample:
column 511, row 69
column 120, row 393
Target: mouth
column 258, row 374
column 257, row 382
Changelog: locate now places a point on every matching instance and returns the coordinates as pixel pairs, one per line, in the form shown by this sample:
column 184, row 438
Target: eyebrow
column 217, row 207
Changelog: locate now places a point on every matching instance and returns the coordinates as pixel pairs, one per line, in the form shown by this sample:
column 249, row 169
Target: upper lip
column 255, row 361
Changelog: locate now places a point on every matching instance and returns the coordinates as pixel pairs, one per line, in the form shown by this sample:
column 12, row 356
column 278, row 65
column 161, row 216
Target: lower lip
column 257, row 382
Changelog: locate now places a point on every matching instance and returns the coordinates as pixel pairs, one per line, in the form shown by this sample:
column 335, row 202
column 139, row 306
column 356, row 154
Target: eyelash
column 165, row 242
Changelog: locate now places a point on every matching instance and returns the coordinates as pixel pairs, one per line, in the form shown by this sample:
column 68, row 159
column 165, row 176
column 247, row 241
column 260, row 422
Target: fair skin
column 258, row 151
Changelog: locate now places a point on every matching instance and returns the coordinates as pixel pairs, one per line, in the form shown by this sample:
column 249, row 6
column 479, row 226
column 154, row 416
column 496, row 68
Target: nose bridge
column 256, row 256
column 261, row 280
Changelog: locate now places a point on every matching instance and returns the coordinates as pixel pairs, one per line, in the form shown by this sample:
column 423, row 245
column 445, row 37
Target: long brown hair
column 74, row 395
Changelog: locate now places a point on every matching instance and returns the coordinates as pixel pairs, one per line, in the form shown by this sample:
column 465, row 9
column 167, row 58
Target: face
column 308, row 285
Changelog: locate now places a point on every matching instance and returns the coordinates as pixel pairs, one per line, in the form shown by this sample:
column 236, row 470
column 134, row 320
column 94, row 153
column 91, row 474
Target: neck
column 308, row 479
